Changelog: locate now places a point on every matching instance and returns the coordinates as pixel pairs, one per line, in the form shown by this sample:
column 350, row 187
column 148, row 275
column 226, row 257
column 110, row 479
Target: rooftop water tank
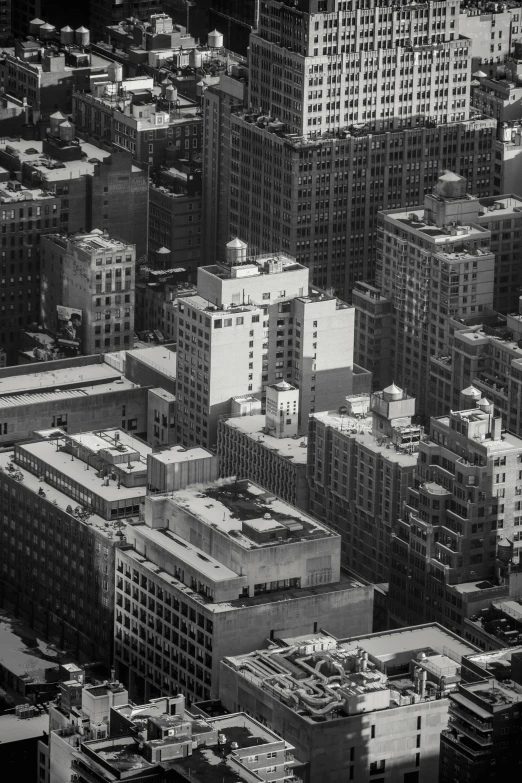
column 56, row 120
column 46, row 31
column 392, row 393
column 195, row 58
column 215, row 40
column 82, row 36
column 115, row 72
column 236, row 251
column 66, row 131
column 67, row 35
column 34, row 26
column 504, row 550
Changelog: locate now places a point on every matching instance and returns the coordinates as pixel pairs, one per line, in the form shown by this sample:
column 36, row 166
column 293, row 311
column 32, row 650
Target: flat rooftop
column 507, row 439
column 415, row 220
column 475, row 335
column 496, row 693
column 363, row 681
column 53, row 495
column 494, row 658
column 254, row 265
column 76, row 470
column 385, row 646
column 244, row 730
column 361, row 431
column 165, row 395
column 176, row 454
column 57, row 380
column 23, row 652
column 199, row 303
column 116, row 442
column 93, row 241
column 252, row 426
column 37, row 398
column 501, row 206
column 14, row 729
column 227, row 503
column 8, row 195
column 31, row 153
column 159, row 358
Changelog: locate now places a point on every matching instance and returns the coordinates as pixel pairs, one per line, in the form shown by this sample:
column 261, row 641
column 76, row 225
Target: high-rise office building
column 88, row 282
column 256, row 321
column 434, row 264
column 451, row 549
column 492, row 31
column 327, row 151
column 361, row 461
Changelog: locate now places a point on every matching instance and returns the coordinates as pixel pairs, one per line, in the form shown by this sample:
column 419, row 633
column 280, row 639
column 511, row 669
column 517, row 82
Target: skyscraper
column 316, row 177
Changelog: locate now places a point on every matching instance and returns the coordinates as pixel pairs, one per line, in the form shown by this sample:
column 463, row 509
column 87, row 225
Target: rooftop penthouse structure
column 97, row 735
column 351, row 704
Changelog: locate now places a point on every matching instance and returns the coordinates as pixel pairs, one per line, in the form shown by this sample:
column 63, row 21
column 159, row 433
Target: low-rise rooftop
column 320, row 677
column 158, row 357
column 31, row 153
column 56, row 380
column 9, row 195
column 360, row 429
column 24, row 653
column 176, row 454
column 501, row 206
column 36, row 398
column 15, row 729
column 62, row 463
column 416, row 220
column 36, row 484
column 227, row 504
column 253, row 427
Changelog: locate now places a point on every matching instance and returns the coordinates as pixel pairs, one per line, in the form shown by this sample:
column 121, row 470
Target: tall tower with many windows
column 351, row 108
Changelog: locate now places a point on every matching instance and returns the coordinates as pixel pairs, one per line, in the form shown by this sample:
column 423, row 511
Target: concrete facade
column 216, row 584
column 258, row 322
column 379, row 719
